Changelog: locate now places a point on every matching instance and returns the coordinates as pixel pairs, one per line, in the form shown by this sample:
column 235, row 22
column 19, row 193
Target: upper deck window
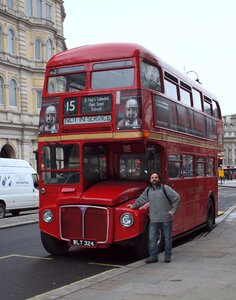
column 150, row 76
column 185, row 93
column 215, row 109
column 117, row 74
column 171, row 89
column 66, row 80
column 207, row 105
column 197, row 101
column 185, row 97
column 113, row 65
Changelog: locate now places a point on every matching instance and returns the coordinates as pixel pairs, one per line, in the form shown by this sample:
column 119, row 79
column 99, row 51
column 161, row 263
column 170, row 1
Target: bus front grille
column 84, row 222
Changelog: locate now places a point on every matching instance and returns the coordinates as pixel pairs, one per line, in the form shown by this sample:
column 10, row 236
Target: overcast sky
column 189, row 35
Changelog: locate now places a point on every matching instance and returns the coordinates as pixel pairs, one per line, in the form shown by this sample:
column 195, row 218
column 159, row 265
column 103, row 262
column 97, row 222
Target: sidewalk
column 227, row 183
column 203, row 269
column 18, row 221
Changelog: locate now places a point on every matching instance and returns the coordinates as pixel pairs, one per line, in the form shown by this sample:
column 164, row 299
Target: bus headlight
column 47, row 216
column 126, row 220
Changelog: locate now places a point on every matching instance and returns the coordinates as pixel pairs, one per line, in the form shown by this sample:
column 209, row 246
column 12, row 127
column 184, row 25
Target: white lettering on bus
column 87, row 119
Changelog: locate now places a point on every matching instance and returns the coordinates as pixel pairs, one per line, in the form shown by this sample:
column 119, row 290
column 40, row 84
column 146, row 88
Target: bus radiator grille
column 84, row 222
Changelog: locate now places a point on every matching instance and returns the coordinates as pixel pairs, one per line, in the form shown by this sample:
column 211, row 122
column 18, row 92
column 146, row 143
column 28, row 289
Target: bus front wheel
column 53, row 245
column 141, row 243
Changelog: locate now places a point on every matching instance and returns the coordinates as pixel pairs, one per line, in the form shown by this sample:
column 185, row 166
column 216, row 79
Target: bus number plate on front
column 85, row 243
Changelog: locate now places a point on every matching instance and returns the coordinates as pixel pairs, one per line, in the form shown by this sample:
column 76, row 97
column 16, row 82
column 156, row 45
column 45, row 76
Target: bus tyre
column 2, row 211
column 210, row 216
column 53, row 245
column 141, row 244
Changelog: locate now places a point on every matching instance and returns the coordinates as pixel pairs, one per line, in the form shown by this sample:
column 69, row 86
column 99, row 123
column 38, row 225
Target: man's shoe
column 167, row 259
column 151, row 260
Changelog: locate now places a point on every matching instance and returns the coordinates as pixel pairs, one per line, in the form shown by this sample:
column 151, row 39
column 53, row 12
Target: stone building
column 229, row 141
column 31, row 31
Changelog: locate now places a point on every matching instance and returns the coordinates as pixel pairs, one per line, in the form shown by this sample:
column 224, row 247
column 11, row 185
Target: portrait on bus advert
column 49, row 117
column 128, row 110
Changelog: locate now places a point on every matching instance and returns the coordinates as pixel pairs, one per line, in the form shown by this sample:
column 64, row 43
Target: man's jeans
column 154, row 232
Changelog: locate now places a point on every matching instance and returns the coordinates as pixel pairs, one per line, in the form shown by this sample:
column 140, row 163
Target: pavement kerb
column 75, row 287
column 17, row 224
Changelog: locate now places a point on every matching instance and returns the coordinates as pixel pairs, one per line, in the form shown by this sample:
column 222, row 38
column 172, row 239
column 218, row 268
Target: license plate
column 85, row 243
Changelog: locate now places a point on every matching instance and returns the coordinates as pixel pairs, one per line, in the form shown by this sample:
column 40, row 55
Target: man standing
column 164, row 202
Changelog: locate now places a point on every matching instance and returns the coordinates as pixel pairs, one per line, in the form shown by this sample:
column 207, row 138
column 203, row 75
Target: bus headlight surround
column 126, row 220
column 47, row 216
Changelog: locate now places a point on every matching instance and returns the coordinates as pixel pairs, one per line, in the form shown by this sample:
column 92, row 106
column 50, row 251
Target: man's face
column 154, row 179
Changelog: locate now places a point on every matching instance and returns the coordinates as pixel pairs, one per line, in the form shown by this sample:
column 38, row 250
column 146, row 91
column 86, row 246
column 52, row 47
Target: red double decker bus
column 110, row 114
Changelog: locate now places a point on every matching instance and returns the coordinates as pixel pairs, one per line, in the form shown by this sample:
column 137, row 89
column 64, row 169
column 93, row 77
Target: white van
column 18, row 186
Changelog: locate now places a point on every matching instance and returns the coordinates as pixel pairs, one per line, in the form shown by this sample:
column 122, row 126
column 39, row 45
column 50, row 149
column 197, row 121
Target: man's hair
column 155, row 172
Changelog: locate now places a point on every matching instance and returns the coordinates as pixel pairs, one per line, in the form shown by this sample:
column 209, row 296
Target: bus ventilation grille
column 84, row 222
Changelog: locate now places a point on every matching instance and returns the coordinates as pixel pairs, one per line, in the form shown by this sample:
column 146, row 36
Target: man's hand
column 129, row 206
column 171, row 213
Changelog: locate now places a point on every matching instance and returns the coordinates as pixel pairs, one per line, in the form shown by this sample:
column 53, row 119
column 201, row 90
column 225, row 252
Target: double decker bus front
column 92, row 159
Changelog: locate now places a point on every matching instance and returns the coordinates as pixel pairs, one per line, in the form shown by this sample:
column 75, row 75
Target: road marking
column 222, row 217
column 25, row 256
column 106, row 265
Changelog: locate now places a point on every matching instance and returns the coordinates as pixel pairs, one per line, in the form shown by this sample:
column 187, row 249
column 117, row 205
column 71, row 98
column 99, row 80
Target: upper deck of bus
column 118, row 51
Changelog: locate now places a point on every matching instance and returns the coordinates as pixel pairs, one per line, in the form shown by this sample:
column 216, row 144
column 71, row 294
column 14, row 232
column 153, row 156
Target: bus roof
column 99, row 52
column 113, row 51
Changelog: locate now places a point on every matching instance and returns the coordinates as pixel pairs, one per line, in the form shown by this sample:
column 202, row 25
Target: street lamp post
column 197, row 79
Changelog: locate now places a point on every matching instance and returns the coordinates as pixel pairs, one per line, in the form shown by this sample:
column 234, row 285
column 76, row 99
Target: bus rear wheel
column 53, row 245
column 210, row 223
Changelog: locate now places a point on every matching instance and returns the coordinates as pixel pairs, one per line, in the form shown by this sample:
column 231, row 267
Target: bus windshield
column 112, row 75
column 69, row 79
column 60, row 163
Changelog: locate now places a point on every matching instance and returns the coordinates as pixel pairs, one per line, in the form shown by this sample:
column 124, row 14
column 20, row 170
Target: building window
column 48, row 12
column 38, row 99
column 13, row 93
column 10, row 3
column 11, row 39
column 29, row 8
column 49, row 49
column 38, row 50
column 39, row 8
column 1, row 90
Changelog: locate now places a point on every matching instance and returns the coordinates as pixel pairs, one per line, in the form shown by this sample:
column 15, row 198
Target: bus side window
column 201, row 164
column 150, row 76
column 174, row 166
column 210, row 166
column 188, row 165
column 153, row 158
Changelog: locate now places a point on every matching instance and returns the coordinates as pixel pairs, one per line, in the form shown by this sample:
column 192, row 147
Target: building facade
column 31, row 31
column 229, row 159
